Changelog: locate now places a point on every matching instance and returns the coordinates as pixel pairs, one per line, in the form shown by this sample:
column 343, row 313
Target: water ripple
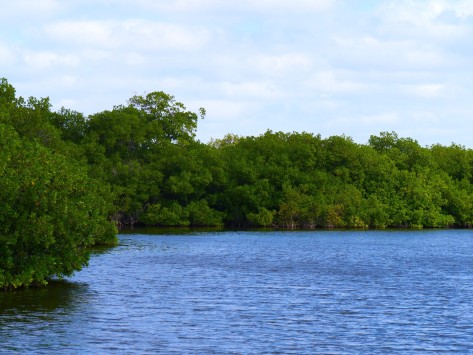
column 241, row 293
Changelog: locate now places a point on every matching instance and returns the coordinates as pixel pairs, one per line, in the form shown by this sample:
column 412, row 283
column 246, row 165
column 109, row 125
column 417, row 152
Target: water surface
column 256, row 292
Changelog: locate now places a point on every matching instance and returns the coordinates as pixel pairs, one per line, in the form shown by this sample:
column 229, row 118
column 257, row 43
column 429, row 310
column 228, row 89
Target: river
column 253, row 293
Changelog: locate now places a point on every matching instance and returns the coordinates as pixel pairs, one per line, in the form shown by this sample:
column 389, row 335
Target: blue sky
column 353, row 67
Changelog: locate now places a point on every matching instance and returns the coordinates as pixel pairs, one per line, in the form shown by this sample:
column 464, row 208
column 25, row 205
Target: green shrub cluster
column 300, row 180
column 51, row 210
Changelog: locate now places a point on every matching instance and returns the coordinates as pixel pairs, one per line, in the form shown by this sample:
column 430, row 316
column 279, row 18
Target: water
column 256, row 292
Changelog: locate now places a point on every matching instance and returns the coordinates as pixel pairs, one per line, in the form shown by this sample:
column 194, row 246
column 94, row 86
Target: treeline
column 160, row 175
column 300, row 180
column 67, row 180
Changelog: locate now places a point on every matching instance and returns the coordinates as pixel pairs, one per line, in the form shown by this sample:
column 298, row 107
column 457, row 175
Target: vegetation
column 67, row 180
column 52, row 209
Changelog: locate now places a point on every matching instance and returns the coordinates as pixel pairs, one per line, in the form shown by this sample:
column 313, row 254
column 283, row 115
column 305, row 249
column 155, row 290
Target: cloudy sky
column 353, row 67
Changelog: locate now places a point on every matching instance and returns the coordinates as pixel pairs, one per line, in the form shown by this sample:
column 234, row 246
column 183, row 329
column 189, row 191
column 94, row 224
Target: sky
column 328, row 67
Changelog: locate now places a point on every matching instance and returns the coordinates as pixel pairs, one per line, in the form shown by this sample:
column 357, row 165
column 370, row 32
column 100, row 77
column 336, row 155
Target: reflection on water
column 33, row 319
column 240, row 292
column 58, row 294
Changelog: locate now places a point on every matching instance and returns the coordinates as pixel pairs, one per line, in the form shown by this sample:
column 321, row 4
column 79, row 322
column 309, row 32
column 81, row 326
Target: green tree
column 167, row 118
column 51, row 213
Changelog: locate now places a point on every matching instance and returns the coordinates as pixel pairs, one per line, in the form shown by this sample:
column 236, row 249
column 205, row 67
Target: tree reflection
column 38, row 302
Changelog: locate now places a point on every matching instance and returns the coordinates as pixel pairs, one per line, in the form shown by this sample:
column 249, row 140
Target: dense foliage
column 67, row 180
column 303, row 181
column 51, row 209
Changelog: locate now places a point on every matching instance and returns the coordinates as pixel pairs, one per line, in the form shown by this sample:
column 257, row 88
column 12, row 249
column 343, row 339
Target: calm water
column 254, row 292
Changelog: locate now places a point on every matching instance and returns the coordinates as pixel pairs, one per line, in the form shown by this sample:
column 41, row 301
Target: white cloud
column 30, row 9
column 232, row 6
column 44, row 60
column 384, row 118
column 96, row 55
column 66, row 103
column 281, row 64
column 226, row 116
column 129, row 34
column 429, row 91
column 287, row 6
column 91, row 33
column 427, row 18
column 69, row 80
column 367, row 51
column 136, row 59
column 332, row 82
column 424, row 118
column 178, row 5
column 251, row 90
column 225, row 110
column 425, row 11
column 7, row 56
column 147, row 35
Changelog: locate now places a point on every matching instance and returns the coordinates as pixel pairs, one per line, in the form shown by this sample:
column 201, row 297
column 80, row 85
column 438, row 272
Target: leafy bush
column 51, row 212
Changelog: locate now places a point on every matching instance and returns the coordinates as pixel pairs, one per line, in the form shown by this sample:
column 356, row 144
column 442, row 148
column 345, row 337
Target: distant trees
column 160, row 175
column 300, row 180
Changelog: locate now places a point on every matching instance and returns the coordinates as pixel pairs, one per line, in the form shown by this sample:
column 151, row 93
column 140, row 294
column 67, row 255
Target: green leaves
column 336, row 183
column 166, row 117
column 51, row 209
